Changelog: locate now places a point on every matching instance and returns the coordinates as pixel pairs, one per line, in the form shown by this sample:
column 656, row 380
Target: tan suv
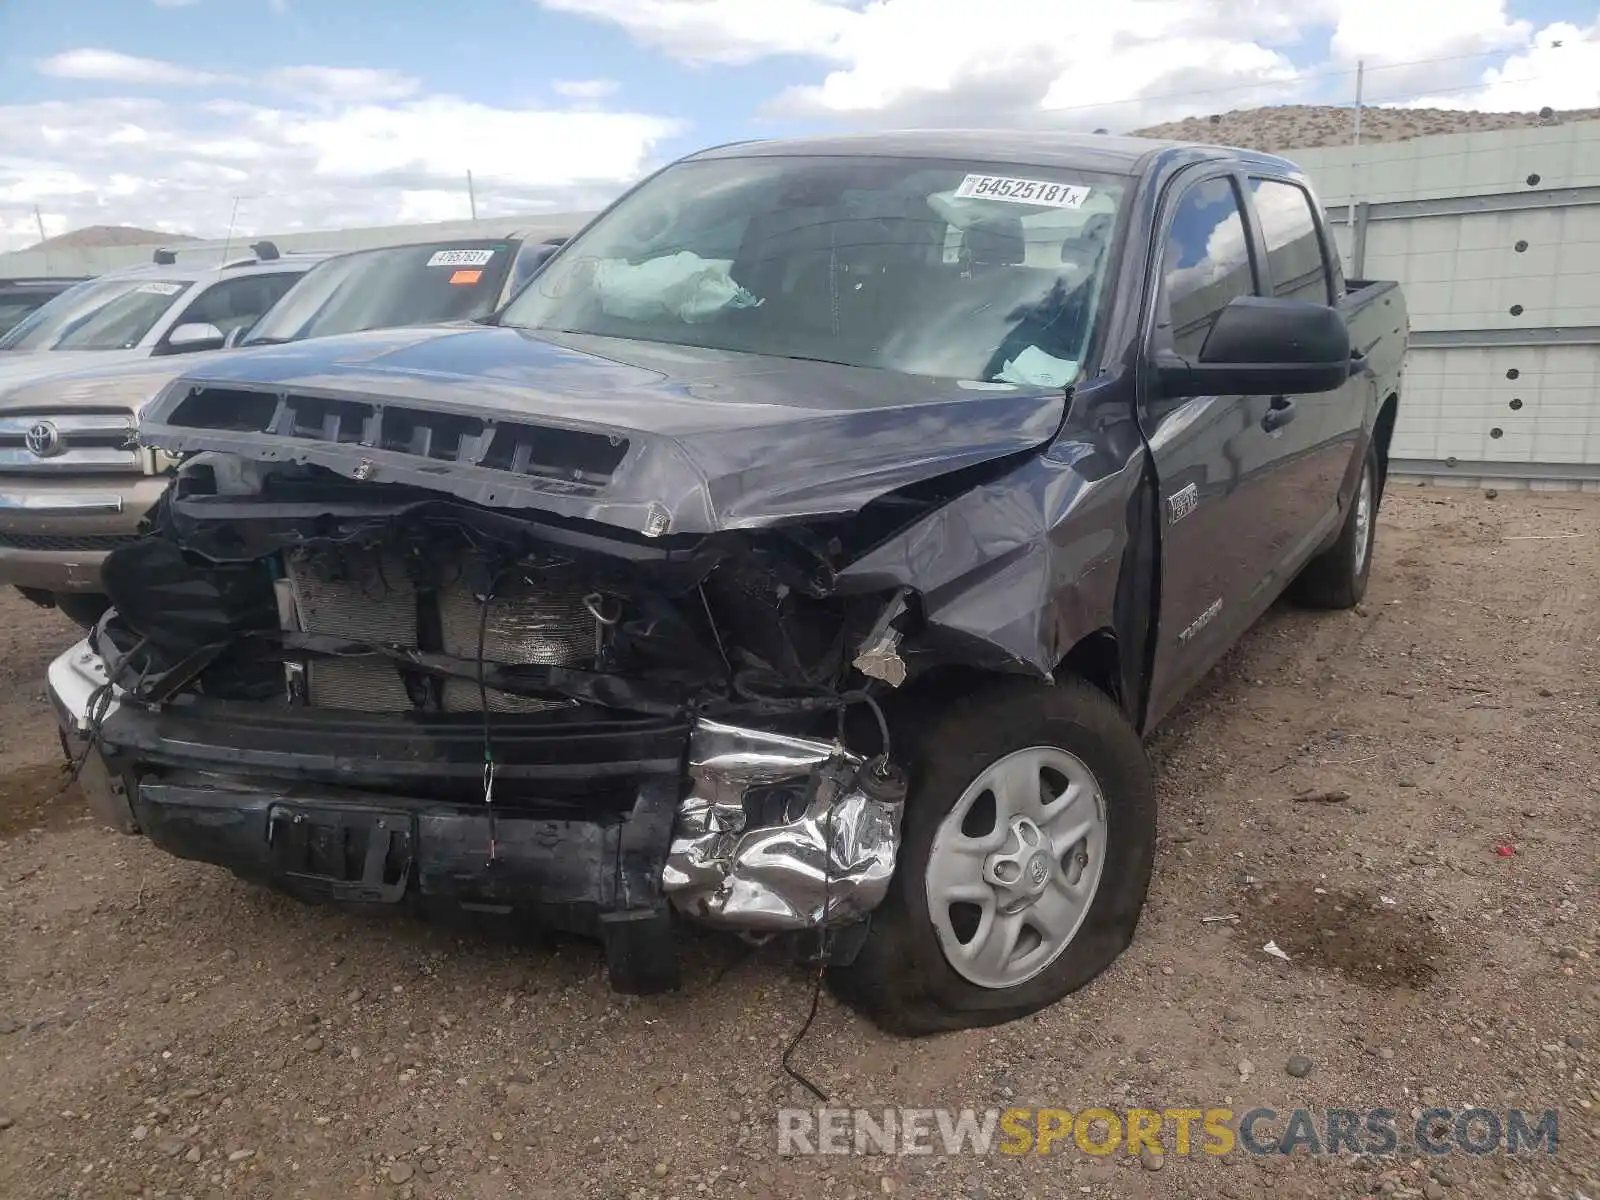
column 73, row 482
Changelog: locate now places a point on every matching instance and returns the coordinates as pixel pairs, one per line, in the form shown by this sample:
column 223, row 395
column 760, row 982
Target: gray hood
column 649, row 437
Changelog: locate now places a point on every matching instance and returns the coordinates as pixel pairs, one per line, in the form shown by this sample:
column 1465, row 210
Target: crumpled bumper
column 769, row 833
column 781, row 833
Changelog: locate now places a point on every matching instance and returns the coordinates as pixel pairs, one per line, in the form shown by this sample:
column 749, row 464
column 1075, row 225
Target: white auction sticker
column 461, row 258
column 160, row 289
column 1022, row 191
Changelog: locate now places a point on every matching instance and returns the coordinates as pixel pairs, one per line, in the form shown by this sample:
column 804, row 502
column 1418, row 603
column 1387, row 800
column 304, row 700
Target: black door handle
column 1358, row 363
column 1279, row 413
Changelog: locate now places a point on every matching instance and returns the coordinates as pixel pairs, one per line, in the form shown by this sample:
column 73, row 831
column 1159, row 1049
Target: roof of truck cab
column 1081, row 151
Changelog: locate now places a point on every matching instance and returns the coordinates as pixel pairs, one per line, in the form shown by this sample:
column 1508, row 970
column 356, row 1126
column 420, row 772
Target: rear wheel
column 1337, row 578
column 1025, row 856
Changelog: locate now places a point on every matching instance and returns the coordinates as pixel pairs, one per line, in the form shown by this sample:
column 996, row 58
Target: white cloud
column 1559, row 67
column 442, row 137
column 313, row 146
column 350, row 85
column 107, row 66
column 1082, row 65
column 585, row 89
column 174, row 3
column 1404, row 31
column 312, row 166
column 723, row 31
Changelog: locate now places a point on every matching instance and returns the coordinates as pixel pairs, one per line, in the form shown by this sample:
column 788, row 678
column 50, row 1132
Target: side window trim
column 1176, row 191
column 205, row 291
column 1318, row 226
column 180, row 312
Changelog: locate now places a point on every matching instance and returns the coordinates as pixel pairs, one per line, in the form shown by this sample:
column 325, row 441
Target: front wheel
column 1026, row 851
column 1337, row 578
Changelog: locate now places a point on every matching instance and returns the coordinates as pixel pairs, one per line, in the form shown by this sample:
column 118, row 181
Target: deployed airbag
column 680, row 286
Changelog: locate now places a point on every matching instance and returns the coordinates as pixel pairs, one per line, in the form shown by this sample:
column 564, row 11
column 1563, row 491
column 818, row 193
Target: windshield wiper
column 264, row 341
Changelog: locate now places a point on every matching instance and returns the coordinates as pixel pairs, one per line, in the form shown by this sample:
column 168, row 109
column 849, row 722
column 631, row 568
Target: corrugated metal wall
column 1496, row 238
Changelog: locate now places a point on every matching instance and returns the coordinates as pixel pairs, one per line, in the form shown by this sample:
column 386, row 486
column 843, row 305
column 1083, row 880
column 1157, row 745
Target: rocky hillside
column 93, row 237
column 1301, row 126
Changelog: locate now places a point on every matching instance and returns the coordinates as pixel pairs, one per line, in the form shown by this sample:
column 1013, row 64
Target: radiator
column 547, row 625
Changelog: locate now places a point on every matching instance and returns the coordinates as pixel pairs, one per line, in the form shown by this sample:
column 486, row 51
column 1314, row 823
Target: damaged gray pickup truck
column 803, row 553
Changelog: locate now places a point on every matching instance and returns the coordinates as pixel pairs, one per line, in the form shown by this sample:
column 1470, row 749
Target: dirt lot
column 168, row 1031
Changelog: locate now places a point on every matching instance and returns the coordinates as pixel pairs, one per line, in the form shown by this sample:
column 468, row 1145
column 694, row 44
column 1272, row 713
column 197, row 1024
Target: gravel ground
column 166, row 1030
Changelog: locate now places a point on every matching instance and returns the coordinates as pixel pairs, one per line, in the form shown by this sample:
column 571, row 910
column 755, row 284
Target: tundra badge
column 1201, row 621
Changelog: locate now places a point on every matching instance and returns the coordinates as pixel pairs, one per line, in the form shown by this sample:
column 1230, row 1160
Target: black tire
column 901, row 977
column 82, row 608
column 1337, row 578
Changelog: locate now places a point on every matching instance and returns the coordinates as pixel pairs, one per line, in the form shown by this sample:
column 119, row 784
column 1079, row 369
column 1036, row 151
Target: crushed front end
column 367, row 693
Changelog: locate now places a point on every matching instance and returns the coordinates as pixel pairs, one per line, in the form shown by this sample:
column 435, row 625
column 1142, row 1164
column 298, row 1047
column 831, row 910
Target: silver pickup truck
column 74, row 485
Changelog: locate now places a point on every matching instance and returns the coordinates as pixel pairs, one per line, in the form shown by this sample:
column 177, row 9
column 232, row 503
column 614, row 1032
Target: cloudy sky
column 326, row 113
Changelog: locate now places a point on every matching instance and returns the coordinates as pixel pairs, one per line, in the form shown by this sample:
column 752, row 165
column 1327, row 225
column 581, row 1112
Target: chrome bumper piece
column 781, row 833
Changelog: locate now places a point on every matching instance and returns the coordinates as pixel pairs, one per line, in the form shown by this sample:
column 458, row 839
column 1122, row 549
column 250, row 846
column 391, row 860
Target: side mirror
column 195, row 335
column 1264, row 346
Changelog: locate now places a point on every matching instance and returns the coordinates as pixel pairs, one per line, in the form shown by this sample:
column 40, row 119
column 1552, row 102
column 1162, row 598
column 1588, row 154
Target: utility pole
column 472, row 199
column 1355, row 158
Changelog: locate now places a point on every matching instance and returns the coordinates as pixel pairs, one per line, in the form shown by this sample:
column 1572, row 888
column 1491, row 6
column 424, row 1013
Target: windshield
column 972, row 271
column 387, row 288
column 102, row 314
column 13, row 310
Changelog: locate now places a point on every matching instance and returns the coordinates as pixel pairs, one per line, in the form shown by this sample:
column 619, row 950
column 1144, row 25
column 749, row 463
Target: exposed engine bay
column 322, row 592
column 278, row 596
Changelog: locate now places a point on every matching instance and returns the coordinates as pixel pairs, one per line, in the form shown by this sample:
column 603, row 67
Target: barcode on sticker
column 160, row 289
column 1022, row 191
column 461, row 258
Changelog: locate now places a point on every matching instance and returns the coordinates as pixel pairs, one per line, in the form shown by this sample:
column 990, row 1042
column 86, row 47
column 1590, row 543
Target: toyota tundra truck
column 804, row 553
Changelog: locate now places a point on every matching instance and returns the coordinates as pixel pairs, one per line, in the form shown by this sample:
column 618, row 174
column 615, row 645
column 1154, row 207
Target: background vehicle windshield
column 388, row 288
column 12, row 311
column 973, row 271
column 102, row 314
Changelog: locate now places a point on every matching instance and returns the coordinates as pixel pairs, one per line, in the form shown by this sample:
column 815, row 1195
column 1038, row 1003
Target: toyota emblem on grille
column 43, row 440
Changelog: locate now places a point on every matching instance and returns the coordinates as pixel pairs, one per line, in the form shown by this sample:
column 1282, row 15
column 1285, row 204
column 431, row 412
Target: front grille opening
column 555, row 453
column 545, row 452
column 220, row 408
column 339, row 421
column 428, row 435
